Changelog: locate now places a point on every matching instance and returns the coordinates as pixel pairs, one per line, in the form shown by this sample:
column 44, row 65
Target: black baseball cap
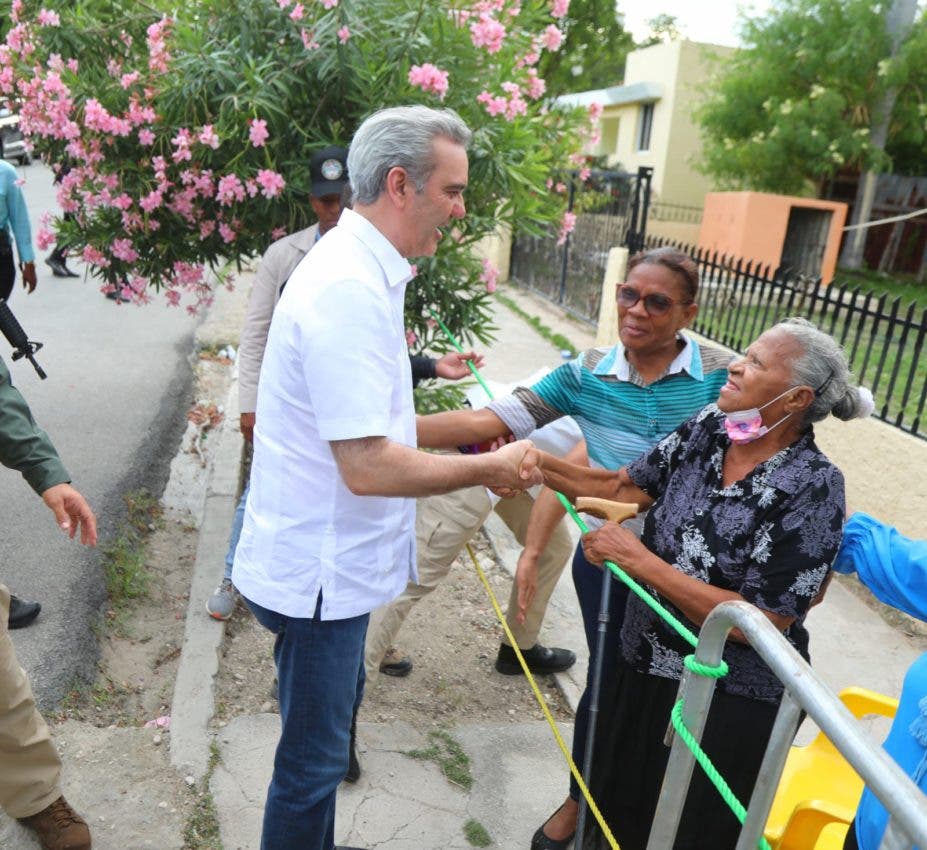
column 328, row 169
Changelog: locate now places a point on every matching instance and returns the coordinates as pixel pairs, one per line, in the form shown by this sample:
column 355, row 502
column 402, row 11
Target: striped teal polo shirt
column 620, row 416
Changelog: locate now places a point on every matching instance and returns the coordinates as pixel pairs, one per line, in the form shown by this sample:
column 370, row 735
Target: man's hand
column 246, row 424
column 453, row 366
column 29, row 279
column 72, row 511
column 518, row 465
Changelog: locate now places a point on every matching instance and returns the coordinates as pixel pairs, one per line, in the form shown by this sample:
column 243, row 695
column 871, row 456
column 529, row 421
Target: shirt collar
column 689, row 359
column 395, row 267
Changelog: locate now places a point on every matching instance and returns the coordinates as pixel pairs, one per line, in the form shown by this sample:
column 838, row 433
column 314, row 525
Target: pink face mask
column 745, row 426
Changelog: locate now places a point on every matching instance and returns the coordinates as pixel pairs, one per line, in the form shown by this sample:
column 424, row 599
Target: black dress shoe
column 540, row 841
column 354, row 770
column 540, row 660
column 22, row 612
column 58, row 267
column 69, row 272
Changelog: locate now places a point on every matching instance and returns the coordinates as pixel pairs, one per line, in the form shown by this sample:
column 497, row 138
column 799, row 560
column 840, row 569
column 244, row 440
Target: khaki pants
column 443, row 525
column 29, row 763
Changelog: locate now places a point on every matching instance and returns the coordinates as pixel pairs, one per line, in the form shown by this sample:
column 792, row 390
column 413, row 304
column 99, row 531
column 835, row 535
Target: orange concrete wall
column 752, row 226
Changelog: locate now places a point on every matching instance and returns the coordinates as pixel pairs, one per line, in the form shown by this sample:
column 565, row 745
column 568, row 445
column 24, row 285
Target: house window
column 644, row 126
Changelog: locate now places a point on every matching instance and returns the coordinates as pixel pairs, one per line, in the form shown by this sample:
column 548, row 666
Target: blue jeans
column 320, row 670
column 237, row 523
column 587, row 579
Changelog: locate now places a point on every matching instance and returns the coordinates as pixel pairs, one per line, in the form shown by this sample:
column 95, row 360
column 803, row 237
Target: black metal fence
column 610, row 209
column 883, row 338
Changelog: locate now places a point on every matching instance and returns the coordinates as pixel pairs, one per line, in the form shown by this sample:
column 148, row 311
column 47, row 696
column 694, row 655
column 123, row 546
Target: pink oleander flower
column 536, row 86
column 584, row 173
column 72, row 65
column 298, row 12
column 559, row 8
column 229, row 190
column 344, row 34
column 151, row 201
column 207, row 228
column 173, row 297
column 283, row 3
column 226, row 232
column 122, row 249
column 209, row 137
column 552, row 38
column 251, row 187
column 94, row 257
column 567, row 223
column 489, row 276
column 413, row 269
column 411, row 337
column 127, row 80
column 595, row 111
column 272, row 183
column 48, row 18
column 44, row 238
column 495, row 105
column 158, row 56
column 329, row 4
column 429, row 78
column 487, row 32
column 560, row 188
column 309, row 41
column 258, row 133
column 277, row 233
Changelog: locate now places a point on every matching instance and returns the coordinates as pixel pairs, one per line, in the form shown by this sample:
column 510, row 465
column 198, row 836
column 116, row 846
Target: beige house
column 648, row 119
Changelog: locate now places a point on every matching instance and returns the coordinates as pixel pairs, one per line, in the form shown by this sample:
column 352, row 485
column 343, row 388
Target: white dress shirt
column 336, row 367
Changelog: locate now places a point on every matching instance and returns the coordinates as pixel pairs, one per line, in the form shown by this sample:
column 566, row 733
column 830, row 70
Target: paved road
column 118, row 380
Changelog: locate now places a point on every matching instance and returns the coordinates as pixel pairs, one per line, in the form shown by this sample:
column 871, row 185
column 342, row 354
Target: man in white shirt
column 329, row 526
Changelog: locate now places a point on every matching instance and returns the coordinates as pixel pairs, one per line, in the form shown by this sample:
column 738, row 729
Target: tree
column 795, row 106
column 594, row 50
column 663, row 27
column 188, row 128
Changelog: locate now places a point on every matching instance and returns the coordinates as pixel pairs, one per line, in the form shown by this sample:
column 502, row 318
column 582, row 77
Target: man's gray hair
column 399, row 136
column 823, row 367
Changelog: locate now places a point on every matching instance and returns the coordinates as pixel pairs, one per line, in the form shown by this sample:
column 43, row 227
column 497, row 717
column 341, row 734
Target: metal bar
column 881, row 774
column 891, row 322
column 777, row 751
column 896, row 366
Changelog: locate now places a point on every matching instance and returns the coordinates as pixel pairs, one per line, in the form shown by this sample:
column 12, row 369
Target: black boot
column 22, row 612
column 354, row 770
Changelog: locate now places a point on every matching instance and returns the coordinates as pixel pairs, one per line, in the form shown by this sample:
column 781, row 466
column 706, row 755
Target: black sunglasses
column 654, row 303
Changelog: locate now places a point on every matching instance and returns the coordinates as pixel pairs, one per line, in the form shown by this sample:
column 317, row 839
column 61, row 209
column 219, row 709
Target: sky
column 711, row 21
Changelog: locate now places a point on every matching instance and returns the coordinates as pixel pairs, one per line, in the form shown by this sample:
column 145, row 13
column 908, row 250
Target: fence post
column 616, row 268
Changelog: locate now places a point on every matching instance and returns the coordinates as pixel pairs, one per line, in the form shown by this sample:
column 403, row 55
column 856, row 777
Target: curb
column 193, row 703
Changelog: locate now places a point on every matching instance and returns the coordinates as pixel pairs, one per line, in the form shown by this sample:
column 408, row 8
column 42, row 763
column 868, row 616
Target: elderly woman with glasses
column 742, row 505
column 625, row 398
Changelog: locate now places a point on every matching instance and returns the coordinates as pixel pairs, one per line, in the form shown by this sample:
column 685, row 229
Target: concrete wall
column 678, row 231
column 752, row 226
column 497, row 248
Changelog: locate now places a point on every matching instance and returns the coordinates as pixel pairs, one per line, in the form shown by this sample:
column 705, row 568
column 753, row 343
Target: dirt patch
column 452, row 636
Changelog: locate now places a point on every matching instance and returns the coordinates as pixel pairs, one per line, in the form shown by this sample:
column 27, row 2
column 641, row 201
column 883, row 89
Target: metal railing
column 804, row 690
column 883, row 337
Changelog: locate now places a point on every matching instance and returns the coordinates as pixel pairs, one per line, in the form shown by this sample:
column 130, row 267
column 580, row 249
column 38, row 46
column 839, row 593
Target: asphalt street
column 119, row 379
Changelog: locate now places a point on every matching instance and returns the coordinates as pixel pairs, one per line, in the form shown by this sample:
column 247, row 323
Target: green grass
column 127, row 577
column 202, row 828
column 894, row 285
column 476, row 834
column 449, row 756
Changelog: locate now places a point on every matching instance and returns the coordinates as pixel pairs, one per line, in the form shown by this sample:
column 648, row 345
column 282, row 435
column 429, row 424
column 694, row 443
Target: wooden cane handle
column 606, row 509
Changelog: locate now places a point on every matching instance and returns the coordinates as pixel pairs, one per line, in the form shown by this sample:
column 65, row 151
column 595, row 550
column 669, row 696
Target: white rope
column 886, row 220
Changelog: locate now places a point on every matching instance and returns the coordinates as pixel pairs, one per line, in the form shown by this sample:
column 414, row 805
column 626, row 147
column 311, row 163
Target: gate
column 611, row 209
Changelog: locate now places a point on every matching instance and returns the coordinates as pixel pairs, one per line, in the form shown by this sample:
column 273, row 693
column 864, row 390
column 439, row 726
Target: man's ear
column 398, row 185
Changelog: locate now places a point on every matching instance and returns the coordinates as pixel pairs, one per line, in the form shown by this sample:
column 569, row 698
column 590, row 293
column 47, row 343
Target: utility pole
column 898, row 21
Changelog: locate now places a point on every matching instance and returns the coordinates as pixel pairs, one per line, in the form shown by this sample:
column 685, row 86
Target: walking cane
column 613, row 512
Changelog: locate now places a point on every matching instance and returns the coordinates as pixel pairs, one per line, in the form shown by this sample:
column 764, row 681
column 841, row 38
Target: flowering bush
column 186, row 135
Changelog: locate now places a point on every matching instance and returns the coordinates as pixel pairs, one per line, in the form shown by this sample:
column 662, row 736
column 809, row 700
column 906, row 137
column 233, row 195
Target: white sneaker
column 221, row 604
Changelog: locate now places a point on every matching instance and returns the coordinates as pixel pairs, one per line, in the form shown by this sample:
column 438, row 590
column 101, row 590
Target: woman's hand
column 613, row 542
column 526, row 581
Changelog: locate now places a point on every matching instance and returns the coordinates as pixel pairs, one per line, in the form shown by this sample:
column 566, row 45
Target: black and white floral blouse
column 771, row 537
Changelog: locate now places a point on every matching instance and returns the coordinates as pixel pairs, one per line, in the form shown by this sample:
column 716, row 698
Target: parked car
column 14, row 143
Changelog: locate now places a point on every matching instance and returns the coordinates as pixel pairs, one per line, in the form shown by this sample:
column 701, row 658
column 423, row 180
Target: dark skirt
column 631, row 758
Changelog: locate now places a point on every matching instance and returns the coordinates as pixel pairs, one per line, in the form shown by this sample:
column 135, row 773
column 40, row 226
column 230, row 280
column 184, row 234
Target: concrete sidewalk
column 519, row 775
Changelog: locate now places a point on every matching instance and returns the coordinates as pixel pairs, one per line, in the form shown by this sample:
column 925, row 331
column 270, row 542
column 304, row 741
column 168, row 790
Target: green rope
column 710, row 770
column 700, row 669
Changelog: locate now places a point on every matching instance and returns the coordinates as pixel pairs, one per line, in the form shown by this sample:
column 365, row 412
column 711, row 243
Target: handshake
column 512, row 468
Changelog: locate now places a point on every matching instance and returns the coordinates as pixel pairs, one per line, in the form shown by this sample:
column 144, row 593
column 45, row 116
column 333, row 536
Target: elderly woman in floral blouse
column 743, row 505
